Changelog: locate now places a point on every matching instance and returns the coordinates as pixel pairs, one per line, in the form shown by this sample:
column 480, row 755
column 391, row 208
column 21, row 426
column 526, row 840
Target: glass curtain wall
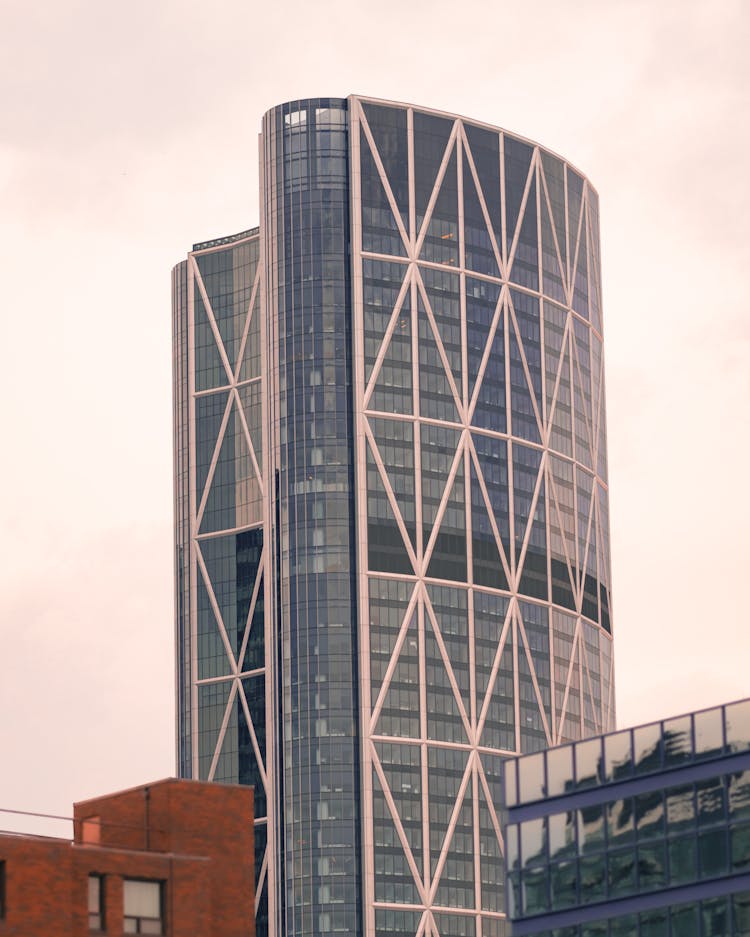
column 484, row 581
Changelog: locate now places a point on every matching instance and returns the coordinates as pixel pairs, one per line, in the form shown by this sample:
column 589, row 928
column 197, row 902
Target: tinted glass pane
column 709, row 732
column 618, row 760
column 737, row 718
column 559, row 770
column 531, row 777
column 678, row 740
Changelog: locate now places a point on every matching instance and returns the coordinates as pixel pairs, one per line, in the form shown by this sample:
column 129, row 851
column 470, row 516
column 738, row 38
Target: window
column 143, row 907
column 2, row 889
column 96, row 902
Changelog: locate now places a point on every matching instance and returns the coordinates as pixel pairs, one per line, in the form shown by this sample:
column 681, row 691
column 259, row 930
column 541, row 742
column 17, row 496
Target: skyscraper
column 392, row 545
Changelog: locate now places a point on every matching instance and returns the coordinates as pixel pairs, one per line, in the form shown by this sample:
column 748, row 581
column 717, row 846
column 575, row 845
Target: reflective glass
column 647, row 748
column 535, row 890
column 737, row 719
column 618, row 757
column 533, row 841
column 716, row 918
column 588, row 756
column 562, row 835
column 654, row 923
column 741, row 914
column 683, row 859
column 593, row 878
column 621, row 872
column 740, row 845
column 712, row 853
column 511, row 793
column 563, row 884
column 531, row 777
column 591, row 829
column 621, row 825
column 739, row 795
column 684, row 920
column 559, row 770
column 680, row 804
column 651, row 866
column 678, row 740
column 649, row 814
column 709, row 732
column 625, row 925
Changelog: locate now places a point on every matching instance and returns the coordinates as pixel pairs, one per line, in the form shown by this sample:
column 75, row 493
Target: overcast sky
column 129, row 130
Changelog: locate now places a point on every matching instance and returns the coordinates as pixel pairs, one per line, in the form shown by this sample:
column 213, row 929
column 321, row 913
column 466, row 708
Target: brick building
column 165, row 858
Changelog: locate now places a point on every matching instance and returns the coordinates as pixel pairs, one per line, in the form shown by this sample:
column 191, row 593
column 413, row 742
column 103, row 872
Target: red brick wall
column 195, row 837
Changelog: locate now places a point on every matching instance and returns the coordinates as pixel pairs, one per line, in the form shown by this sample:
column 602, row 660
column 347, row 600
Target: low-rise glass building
column 639, row 833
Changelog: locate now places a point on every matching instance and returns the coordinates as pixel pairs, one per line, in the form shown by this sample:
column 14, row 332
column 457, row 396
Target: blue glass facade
column 391, row 507
column 640, row 833
column 309, row 307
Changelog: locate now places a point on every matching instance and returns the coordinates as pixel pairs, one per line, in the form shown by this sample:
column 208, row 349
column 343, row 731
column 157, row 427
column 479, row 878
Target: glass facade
column 312, row 450
column 389, row 407
column 219, row 538
column 484, row 586
column 644, row 831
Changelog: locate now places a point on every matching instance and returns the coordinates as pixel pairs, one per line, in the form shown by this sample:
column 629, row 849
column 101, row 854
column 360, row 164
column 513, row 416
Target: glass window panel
column 618, row 756
column 649, row 814
column 533, row 841
column 588, row 757
column 511, row 793
column 716, row 919
column 684, row 920
column 712, row 853
column 621, row 872
column 625, row 925
column 562, row 834
column 594, row 929
column 531, row 777
column 739, row 795
column 678, row 740
column 651, row 866
column 709, row 732
column 621, row 821
column 654, row 923
column 591, row 828
column 563, row 884
column 535, row 890
column 740, row 837
column 737, row 719
column 559, row 770
column 511, row 846
column 647, row 747
column 710, row 799
column 680, row 803
column 741, row 914
column 593, row 878
column 683, row 860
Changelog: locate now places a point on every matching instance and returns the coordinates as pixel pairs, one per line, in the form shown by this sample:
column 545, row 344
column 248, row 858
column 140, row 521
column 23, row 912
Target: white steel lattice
column 544, row 664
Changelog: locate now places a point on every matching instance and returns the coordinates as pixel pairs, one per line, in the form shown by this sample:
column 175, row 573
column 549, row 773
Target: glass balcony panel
column 647, row 748
column 618, row 756
column 709, row 733
column 531, row 778
column 737, row 724
column 559, row 770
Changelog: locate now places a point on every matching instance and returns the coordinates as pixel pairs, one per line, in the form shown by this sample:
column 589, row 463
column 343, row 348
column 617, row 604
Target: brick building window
column 96, row 902
column 143, row 907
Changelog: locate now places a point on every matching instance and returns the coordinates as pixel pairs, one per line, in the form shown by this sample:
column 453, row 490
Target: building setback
column 392, row 535
column 174, row 857
column 641, row 833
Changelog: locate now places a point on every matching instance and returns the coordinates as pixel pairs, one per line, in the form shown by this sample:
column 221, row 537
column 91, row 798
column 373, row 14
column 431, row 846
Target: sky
column 128, row 131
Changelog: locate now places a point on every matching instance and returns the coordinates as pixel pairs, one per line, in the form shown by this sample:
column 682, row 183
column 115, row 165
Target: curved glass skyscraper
column 391, row 507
